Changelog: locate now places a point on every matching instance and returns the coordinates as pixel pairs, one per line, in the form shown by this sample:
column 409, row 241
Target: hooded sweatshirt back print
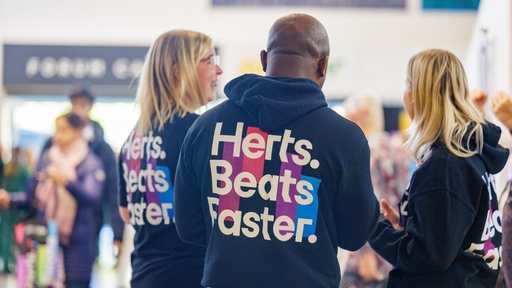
column 452, row 227
column 272, row 181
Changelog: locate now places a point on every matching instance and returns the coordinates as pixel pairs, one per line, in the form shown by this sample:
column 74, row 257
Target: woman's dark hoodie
column 451, row 234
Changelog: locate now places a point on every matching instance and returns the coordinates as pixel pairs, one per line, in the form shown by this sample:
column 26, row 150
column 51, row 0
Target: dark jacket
column 109, row 193
column 452, row 231
column 272, row 181
column 79, row 254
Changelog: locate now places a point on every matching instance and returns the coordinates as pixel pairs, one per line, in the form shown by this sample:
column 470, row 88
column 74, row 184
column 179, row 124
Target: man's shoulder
column 336, row 125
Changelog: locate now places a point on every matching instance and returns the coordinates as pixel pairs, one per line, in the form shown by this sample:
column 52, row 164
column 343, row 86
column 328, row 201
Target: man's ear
column 322, row 66
column 263, row 58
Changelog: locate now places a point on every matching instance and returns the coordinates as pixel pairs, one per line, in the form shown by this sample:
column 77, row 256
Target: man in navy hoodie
column 272, row 181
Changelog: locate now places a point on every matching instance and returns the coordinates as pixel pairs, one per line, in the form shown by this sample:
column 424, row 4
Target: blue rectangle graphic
column 165, row 189
column 307, row 205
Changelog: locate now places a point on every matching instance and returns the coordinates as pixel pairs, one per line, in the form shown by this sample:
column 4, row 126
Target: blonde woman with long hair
column 179, row 76
column 448, row 232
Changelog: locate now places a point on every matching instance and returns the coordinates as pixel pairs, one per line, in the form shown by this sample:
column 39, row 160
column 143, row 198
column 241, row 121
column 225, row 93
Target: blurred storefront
column 38, row 78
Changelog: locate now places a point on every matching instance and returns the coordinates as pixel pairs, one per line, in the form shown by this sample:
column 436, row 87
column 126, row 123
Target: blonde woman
column 179, row 76
column 448, row 232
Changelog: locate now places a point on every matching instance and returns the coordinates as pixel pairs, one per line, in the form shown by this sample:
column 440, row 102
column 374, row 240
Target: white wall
column 495, row 16
column 370, row 47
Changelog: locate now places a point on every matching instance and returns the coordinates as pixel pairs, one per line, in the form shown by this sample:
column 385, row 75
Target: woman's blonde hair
column 442, row 107
column 169, row 83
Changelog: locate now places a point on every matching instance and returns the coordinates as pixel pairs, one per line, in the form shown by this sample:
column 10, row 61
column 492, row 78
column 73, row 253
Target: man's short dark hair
column 82, row 92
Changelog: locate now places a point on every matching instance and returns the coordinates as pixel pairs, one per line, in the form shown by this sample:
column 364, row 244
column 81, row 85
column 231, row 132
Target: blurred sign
column 323, row 3
column 54, row 70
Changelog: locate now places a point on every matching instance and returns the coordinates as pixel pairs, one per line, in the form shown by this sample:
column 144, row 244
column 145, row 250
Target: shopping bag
column 40, row 262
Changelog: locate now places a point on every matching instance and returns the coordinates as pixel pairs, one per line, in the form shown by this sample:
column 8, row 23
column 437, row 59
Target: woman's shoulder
column 179, row 122
column 444, row 170
column 439, row 159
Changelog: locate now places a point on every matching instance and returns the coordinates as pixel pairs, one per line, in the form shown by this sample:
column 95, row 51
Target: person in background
column 479, row 98
column 448, row 231
column 389, row 167
column 67, row 187
column 16, row 174
column 501, row 105
column 179, row 76
column 272, row 181
column 81, row 104
column 15, row 178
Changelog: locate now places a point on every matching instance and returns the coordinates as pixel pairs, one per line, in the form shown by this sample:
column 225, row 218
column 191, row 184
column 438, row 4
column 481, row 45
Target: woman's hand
column 57, row 176
column 390, row 214
column 5, row 199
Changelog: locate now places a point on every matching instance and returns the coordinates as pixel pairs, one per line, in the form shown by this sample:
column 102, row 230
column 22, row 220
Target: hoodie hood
column 493, row 155
column 272, row 102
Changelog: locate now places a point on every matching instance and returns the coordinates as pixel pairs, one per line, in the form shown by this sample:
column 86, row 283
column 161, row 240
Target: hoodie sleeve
column 357, row 208
column 188, row 212
column 437, row 223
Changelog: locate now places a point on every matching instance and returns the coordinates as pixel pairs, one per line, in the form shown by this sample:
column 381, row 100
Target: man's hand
column 501, row 105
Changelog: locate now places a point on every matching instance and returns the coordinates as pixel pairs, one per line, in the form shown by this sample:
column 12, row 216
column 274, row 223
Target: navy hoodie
column 272, row 181
column 451, row 234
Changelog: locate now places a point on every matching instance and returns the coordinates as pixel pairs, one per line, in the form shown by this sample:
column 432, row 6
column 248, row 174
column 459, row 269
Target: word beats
column 150, row 179
column 239, row 175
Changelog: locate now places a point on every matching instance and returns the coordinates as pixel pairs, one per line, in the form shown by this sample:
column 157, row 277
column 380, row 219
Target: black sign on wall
column 55, row 70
